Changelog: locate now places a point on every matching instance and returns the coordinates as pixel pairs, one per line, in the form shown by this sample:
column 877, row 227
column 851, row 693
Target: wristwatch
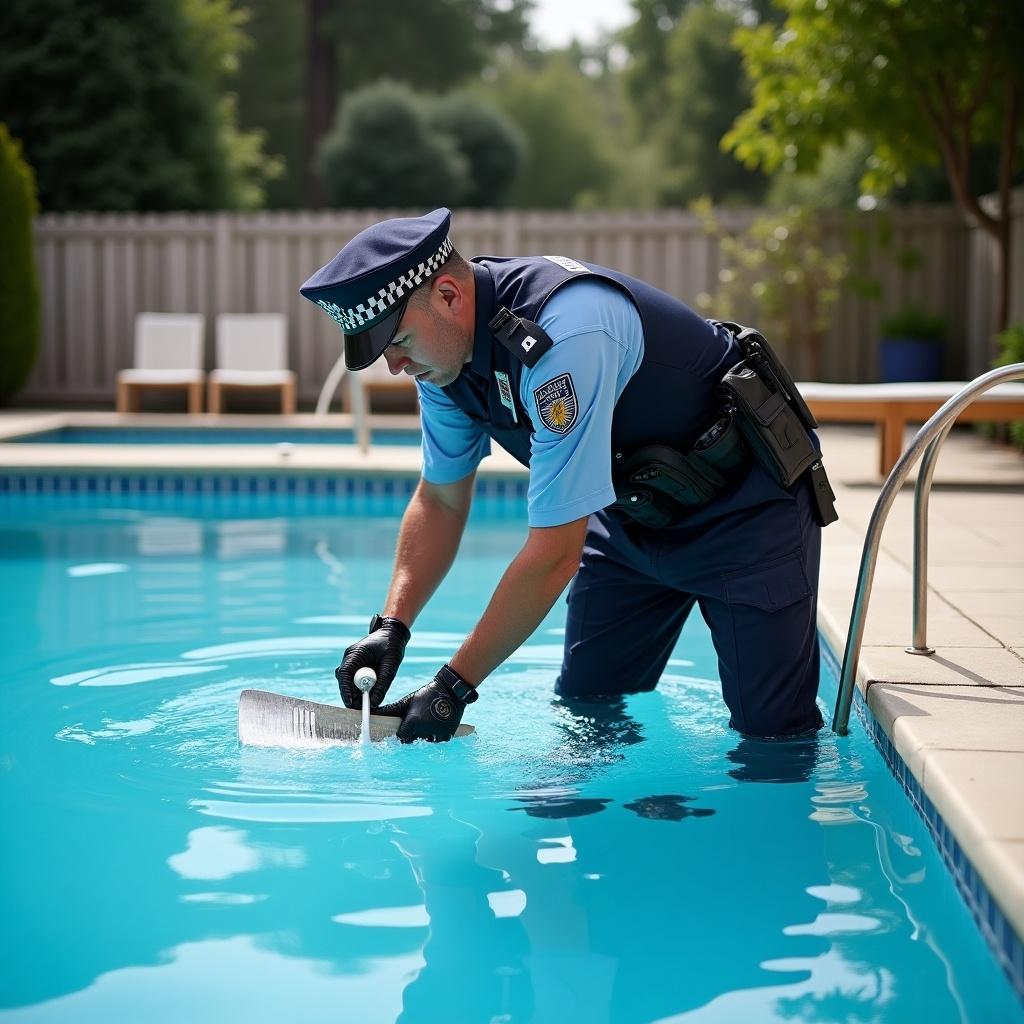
column 466, row 693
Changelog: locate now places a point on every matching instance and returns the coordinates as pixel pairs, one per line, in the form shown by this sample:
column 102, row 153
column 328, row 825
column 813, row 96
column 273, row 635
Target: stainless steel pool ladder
column 360, row 416
column 930, row 436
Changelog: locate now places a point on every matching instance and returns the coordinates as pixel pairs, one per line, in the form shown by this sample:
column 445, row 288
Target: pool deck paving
column 956, row 717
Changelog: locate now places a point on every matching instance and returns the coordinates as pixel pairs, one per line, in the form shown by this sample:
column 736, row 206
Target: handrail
column 929, row 437
column 360, row 419
column 331, row 382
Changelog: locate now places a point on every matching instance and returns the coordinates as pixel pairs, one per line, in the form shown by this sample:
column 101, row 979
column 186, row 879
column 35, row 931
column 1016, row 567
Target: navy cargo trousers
column 754, row 575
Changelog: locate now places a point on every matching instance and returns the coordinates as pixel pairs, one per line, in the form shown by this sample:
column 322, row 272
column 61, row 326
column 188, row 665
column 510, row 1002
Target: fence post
column 223, row 292
column 510, row 234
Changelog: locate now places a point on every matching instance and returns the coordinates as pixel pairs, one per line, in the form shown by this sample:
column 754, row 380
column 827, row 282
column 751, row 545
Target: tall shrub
column 487, row 138
column 19, row 286
column 383, row 152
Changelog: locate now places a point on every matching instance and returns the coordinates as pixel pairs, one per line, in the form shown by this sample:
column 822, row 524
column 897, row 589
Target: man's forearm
column 525, row 594
column 428, row 540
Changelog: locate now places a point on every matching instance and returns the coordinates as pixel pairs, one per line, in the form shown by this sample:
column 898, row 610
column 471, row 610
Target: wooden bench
column 893, row 406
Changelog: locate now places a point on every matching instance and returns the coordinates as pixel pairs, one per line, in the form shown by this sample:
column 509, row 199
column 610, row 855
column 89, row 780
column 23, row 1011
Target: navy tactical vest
column 669, row 400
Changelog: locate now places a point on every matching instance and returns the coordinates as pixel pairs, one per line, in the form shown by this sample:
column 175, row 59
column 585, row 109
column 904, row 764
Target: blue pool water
column 210, row 435
column 602, row 864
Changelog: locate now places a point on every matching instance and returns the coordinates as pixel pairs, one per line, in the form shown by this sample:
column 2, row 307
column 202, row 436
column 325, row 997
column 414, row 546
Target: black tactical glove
column 432, row 712
column 382, row 650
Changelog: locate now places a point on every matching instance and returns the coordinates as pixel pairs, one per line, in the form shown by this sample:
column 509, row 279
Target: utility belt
column 763, row 417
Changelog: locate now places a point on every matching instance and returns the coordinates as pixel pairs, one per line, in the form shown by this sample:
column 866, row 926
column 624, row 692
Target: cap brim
column 367, row 346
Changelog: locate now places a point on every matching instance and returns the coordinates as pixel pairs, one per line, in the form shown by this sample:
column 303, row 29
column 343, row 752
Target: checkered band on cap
column 373, row 308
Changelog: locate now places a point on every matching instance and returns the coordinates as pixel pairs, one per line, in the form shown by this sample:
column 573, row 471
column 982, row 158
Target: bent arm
column 428, row 539
column 524, row 595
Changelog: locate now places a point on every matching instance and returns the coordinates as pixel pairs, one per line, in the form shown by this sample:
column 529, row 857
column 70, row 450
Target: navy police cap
column 366, row 286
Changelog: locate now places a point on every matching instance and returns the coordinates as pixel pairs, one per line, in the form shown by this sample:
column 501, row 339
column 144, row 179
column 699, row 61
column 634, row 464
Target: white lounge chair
column 168, row 354
column 252, row 352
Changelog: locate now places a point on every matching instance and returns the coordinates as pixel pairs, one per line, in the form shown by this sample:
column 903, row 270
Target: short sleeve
column 453, row 445
column 570, row 396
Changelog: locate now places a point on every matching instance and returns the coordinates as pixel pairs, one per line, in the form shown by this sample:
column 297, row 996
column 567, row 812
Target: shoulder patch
column 556, row 403
column 567, row 264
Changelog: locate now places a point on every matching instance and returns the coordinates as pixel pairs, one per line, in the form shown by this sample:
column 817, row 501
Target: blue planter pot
column 906, row 359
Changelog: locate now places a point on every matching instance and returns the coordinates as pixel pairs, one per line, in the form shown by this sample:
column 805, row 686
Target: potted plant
column 912, row 346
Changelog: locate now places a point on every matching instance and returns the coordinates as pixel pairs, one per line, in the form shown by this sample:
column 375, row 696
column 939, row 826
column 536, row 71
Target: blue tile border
column 1006, row 946
column 255, row 485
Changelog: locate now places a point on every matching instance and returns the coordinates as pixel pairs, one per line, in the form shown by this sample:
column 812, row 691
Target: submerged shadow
column 668, row 808
column 541, row 805
column 782, row 760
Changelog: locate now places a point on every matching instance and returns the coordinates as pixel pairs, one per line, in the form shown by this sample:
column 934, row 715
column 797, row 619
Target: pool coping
column 951, row 727
column 236, row 459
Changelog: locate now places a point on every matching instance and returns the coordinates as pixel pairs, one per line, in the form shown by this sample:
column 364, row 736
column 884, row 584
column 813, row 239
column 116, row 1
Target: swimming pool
column 211, row 435
column 592, row 863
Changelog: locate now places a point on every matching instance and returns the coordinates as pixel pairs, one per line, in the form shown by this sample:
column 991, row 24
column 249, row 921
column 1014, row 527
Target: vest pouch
column 774, row 431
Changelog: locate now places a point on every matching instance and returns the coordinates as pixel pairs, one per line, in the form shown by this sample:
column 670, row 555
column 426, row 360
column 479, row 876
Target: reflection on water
column 613, row 861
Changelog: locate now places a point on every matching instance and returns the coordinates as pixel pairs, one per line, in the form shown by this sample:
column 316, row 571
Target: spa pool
column 603, row 863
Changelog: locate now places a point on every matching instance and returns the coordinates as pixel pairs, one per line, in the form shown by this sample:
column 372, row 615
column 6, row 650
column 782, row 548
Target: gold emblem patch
column 556, row 404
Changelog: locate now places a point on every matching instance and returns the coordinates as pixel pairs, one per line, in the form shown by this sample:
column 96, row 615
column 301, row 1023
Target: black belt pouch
column 658, row 485
column 773, row 430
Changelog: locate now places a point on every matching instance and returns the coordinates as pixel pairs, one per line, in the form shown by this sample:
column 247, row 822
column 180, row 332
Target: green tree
column 431, row 46
column 490, row 142
column 833, row 184
column 270, row 90
column 19, row 286
column 705, row 90
column 559, row 112
column 646, row 39
column 111, row 106
column 218, row 38
column 922, row 80
column 383, row 151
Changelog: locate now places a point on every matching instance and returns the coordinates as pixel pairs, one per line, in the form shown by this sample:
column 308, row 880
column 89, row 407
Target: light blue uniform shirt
column 598, row 341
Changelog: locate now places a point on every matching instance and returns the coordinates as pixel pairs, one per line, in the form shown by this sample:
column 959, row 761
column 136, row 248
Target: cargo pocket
column 769, row 587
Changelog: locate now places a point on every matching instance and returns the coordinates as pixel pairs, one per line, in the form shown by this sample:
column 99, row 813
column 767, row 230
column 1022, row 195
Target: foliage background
column 240, row 104
column 19, row 285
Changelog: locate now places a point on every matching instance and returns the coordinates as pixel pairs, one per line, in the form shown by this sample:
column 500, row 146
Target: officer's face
column 435, row 337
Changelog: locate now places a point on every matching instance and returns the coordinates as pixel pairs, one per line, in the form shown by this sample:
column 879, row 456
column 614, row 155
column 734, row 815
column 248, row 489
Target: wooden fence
column 98, row 271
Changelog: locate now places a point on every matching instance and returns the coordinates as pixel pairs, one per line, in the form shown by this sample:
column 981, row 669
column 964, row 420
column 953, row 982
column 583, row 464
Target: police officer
column 573, row 369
